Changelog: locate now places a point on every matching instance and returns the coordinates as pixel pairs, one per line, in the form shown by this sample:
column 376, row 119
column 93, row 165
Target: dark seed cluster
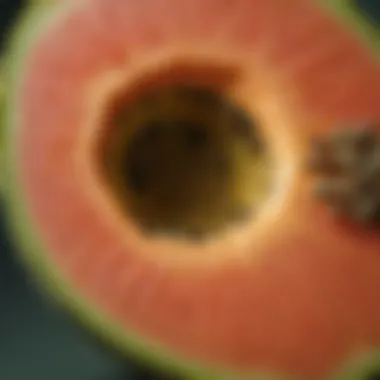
column 346, row 164
column 181, row 162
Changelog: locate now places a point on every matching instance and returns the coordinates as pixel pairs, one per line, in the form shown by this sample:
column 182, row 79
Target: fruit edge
column 351, row 14
column 359, row 366
column 2, row 122
column 35, row 3
column 45, row 273
column 32, row 253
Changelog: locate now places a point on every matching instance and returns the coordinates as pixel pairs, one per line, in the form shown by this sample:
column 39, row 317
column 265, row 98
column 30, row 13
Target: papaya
column 162, row 159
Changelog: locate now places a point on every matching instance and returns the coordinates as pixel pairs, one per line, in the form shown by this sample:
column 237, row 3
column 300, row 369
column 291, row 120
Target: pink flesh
column 313, row 297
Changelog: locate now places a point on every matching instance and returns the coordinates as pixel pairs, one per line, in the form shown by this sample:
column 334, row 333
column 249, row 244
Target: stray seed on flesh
column 365, row 209
column 330, row 189
column 369, row 178
column 366, row 140
column 352, row 190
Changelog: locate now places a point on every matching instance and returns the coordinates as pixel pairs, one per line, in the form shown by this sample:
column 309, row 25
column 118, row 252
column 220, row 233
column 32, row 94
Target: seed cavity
column 186, row 161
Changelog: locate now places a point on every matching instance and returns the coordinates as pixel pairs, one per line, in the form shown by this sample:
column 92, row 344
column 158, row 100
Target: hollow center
column 186, row 160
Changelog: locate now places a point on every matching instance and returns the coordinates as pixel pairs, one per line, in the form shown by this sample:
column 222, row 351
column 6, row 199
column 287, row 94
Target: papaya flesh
column 286, row 292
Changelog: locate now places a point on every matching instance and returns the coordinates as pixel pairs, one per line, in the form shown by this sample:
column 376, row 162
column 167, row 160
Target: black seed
column 353, row 191
column 199, row 96
column 376, row 215
column 137, row 178
column 219, row 168
column 195, row 136
column 365, row 140
column 152, row 131
column 342, row 138
column 364, row 210
column 242, row 126
column 368, row 177
column 330, row 189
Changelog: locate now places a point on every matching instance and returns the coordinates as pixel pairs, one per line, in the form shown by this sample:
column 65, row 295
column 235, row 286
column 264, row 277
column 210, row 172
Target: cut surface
column 275, row 294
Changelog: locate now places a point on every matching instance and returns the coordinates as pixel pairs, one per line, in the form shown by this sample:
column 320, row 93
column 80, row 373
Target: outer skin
column 40, row 4
column 32, row 253
column 2, row 105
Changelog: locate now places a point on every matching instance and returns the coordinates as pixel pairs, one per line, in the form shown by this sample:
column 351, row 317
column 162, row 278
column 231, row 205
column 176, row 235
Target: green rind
column 2, row 122
column 350, row 14
column 359, row 366
column 42, row 4
column 34, row 255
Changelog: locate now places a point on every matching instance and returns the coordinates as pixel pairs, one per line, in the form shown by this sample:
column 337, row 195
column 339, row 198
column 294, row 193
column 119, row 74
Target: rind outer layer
column 38, row 5
column 349, row 12
column 33, row 252
column 2, row 121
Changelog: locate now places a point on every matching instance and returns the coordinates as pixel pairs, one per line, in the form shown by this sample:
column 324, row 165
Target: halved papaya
column 158, row 181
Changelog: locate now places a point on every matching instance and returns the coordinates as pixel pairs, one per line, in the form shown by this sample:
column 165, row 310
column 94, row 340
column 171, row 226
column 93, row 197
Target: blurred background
column 36, row 341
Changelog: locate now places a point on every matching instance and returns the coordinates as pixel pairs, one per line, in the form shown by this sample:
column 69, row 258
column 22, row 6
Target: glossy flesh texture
column 300, row 301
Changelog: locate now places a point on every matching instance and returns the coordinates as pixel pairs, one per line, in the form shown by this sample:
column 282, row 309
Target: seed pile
column 346, row 164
